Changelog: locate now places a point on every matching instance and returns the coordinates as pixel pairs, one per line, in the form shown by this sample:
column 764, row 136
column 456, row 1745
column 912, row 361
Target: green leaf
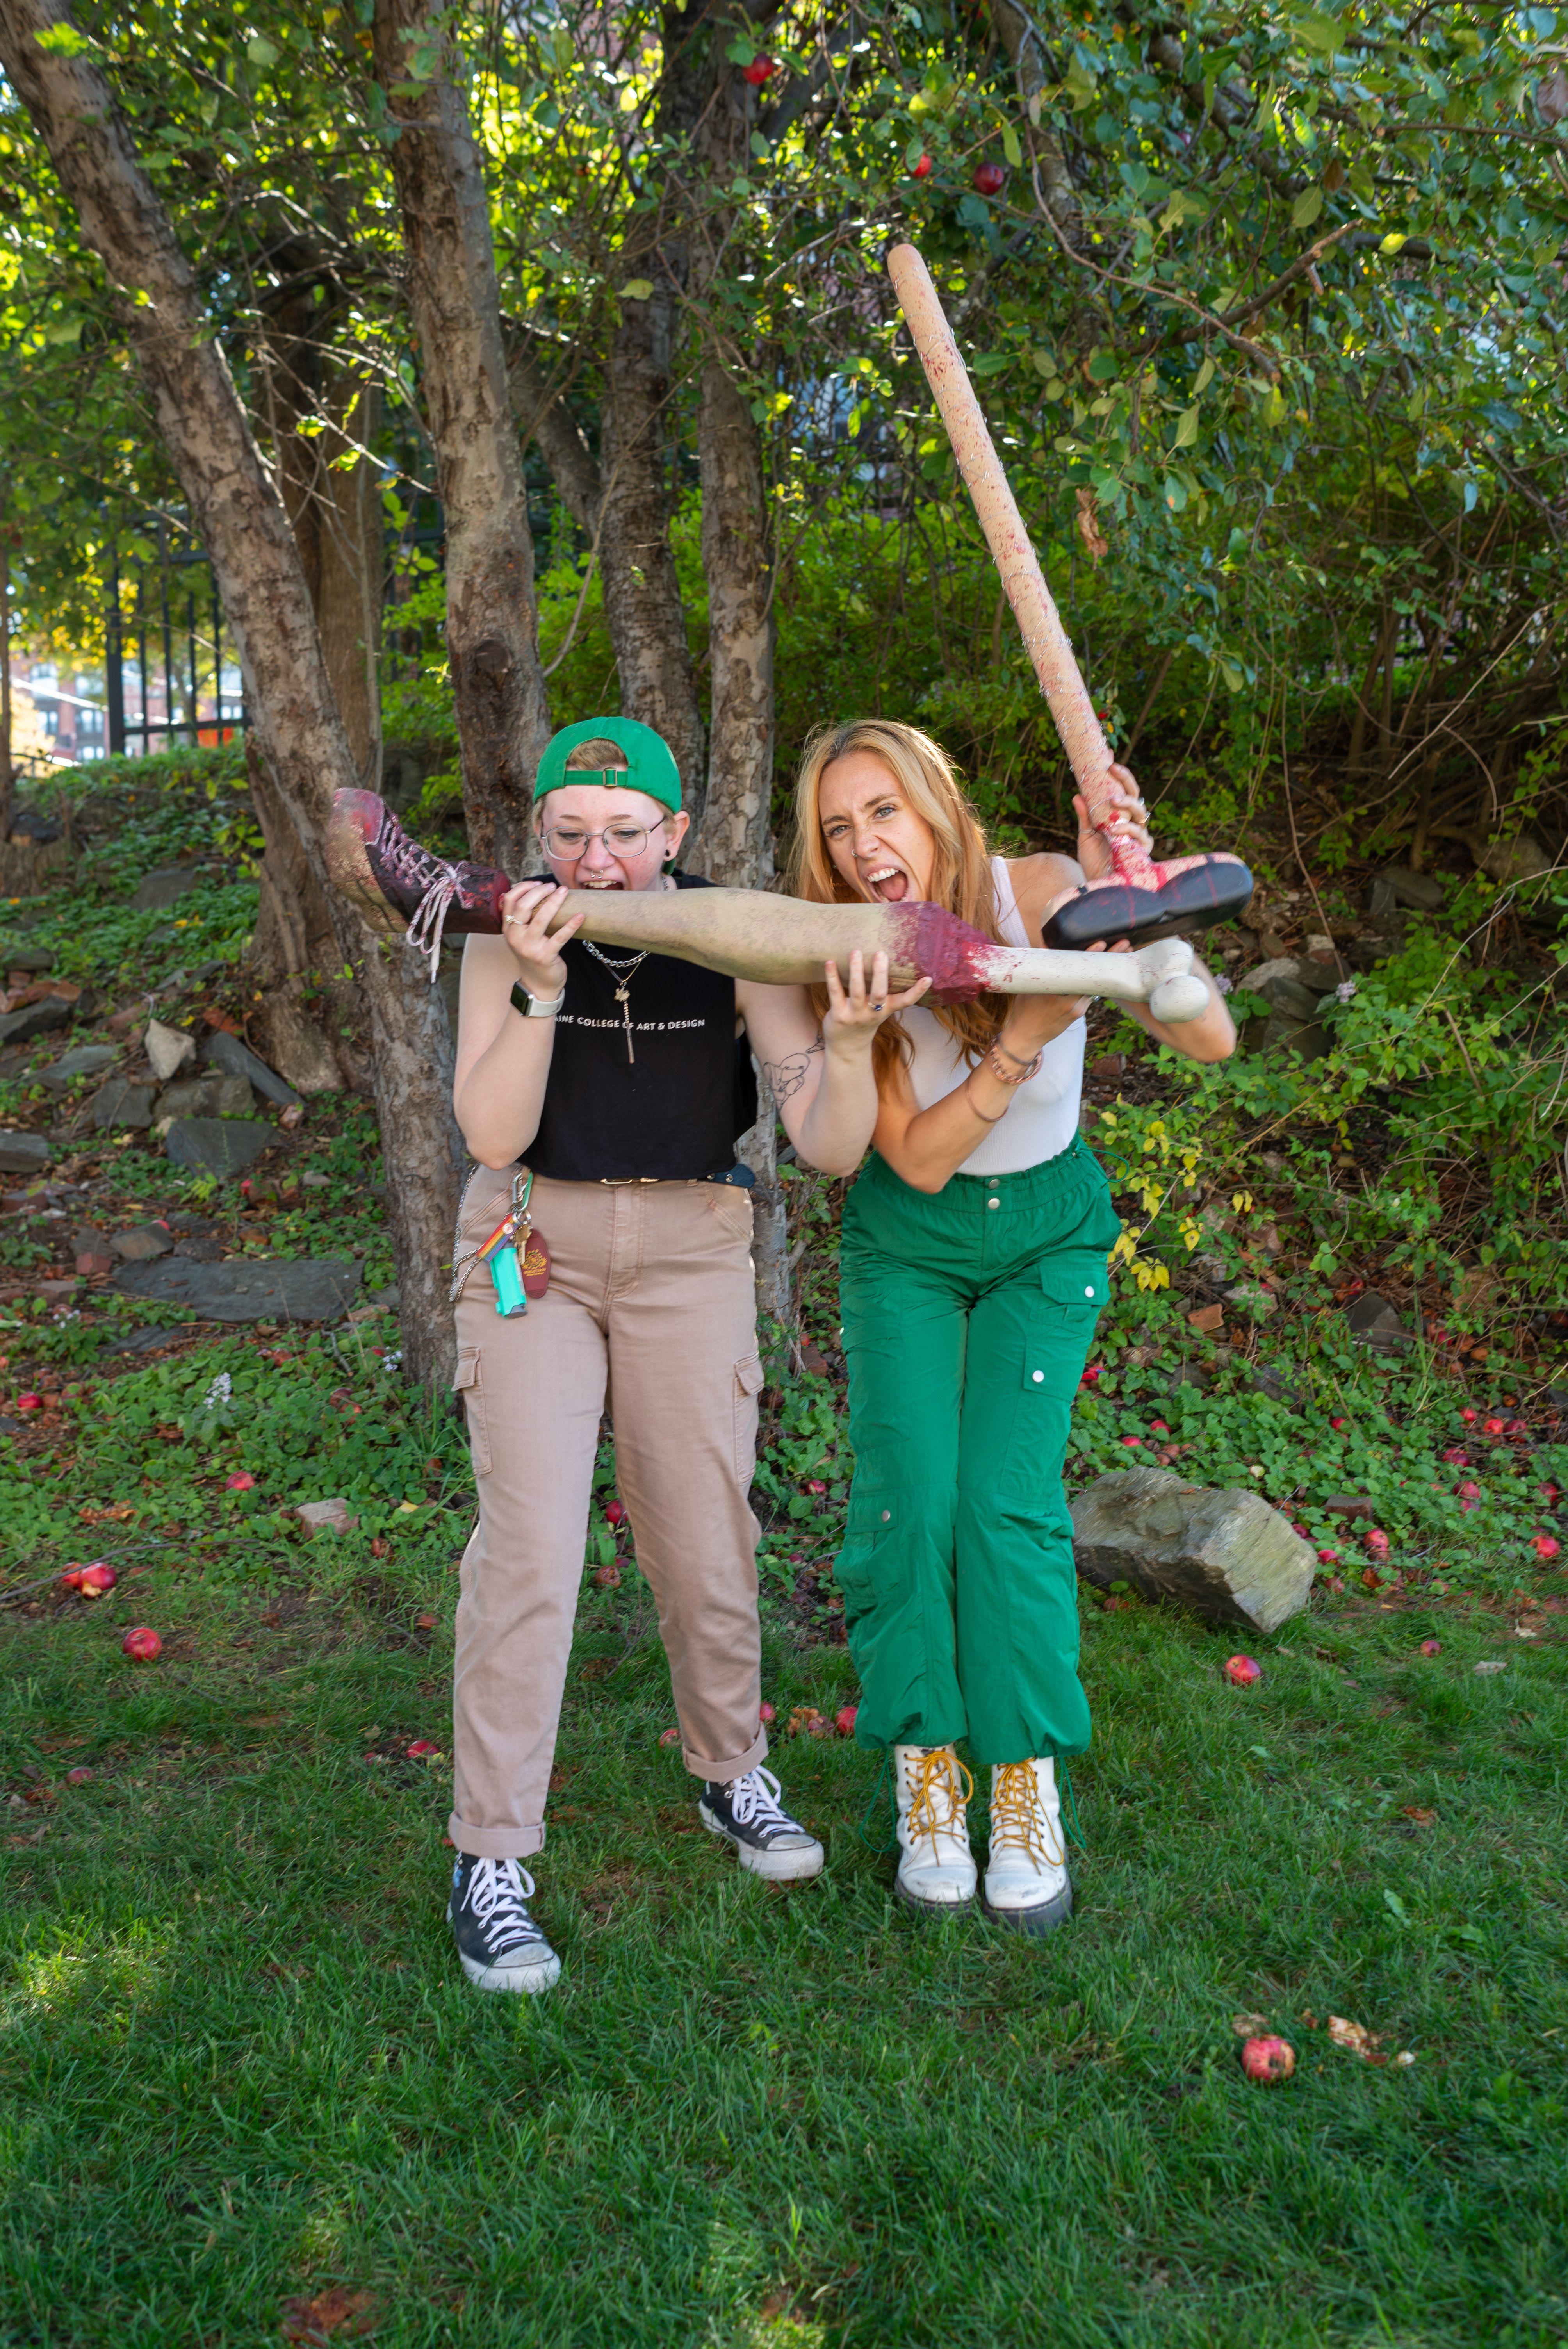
column 1187, row 427
column 740, row 51
column 1183, row 206
column 1080, row 87
column 1306, row 207
column 1323, row 34
column 912, row 153
column 1394, row 1906
column 65, row 41
column 636, row 289
column 1393, row 242
column 1010, row 147
column 990, row 363
column 1203, row 377
column 261, row 51
column 1233, row 677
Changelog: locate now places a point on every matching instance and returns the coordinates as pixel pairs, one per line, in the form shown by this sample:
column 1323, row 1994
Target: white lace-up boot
column 1027, row 1881
column 937, row 1869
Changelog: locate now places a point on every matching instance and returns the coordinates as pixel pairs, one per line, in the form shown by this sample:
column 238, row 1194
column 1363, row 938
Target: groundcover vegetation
column 246, row 2093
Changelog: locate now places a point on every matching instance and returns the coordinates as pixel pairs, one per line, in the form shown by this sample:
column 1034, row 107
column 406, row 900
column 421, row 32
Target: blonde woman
column 974, row 1272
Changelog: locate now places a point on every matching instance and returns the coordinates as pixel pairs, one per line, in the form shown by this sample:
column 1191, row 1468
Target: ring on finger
column 879, row 1007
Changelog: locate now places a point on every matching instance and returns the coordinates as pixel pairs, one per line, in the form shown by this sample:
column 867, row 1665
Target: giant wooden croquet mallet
column 403, row 890
column 1146, row 900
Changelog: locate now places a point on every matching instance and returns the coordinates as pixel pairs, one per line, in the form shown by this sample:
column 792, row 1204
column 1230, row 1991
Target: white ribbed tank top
column 1044, row 1114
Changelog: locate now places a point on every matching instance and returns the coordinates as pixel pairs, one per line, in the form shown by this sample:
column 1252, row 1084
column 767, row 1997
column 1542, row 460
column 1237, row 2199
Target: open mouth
column 601, row 881
column 889, row 884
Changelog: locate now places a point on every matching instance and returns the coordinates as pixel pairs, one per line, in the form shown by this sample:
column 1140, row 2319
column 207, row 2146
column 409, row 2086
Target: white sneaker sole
column 543, row 1973
column 773, row 1866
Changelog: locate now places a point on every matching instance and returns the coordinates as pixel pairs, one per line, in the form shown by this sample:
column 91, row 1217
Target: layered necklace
column 621, row 972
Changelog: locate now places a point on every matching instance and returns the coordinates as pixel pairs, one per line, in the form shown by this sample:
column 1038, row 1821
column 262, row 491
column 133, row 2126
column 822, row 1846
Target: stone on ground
column 85, row 1062
column 237, row 1059
column 22, row 1153
column 36, row 1019
column 169, row 1050
column 29, row 958
column 142, row 1243
column 163, row 887
column 324, row 1516
column 217, row 1145
column 121, row 1103
column 1227, row 1555
column 215, row 1095
column 1375, row 1323
column 247, row 1289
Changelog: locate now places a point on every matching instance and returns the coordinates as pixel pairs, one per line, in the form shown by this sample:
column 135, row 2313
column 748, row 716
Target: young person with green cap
column 615, row 1081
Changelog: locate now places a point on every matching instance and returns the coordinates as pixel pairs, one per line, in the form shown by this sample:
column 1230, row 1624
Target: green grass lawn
column 239, row 2063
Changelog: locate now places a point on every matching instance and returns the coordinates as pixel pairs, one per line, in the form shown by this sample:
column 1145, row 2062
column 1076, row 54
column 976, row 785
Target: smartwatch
column 535, row 1007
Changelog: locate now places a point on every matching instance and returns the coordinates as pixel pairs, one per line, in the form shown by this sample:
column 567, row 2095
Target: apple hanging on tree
column 922, row 168
column 760, row 70
column 989, row 179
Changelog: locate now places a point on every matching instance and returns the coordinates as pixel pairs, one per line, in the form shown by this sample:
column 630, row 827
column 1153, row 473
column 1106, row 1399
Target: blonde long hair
column 961, row 876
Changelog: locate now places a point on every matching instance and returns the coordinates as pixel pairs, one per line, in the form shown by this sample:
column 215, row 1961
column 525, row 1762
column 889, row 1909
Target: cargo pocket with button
column 747, row 1387
column 467, row 1385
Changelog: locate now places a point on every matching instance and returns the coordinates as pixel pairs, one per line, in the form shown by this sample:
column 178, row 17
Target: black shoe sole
column 1106, row 911
column 933, row 1911
column 1033, row 1923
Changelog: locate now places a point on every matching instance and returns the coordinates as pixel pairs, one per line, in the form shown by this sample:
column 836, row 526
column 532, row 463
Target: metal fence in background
column 165, row 670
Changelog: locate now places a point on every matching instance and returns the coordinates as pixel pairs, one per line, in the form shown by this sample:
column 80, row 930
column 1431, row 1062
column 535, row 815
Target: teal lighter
column 503, row 1250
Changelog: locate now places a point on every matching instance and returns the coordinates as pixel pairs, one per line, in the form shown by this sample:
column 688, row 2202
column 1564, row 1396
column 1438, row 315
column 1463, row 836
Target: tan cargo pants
column 651, row 1307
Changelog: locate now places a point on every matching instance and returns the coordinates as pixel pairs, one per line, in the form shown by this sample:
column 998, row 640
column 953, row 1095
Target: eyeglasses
column 563, row 843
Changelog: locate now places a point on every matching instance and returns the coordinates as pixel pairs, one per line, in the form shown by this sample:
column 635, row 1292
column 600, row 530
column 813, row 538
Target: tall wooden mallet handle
column 1045, row 639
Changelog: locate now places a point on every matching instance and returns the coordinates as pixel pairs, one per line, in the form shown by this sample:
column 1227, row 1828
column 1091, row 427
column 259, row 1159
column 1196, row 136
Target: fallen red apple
column 608, row 1577
column 760, row 70
column 615, row 1513
column 241, row 1483
column 1546, row 1546
column 1469, row 1417
column 1431, row 1647
column 1339, row 1423
column 844, row 1720
column 78, row 1777
column 815, row 1484
column 94, row 1580
column 142, row 1644
column 1092, row 1373
column 420, row 1747
column 1335, row 1586
column 1328, row 1557
column 1492, row 1426
column 1468, row 1490
column 765, row 1712
column 1243, row 1671
column 1372, row 1579
column 30, row 1402
column 1549, row 1493
column 921, row 168
column 1268, row 2060
column 989, row 179
column 1158, row 1427
column 1456, row 1457
column 1132, row 1441
column 669, row 1737
column 1376, row 1542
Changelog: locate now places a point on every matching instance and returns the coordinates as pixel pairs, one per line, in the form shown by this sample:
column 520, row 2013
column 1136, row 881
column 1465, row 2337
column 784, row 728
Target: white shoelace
column 430, row 918
column 754, row 1801
column 498, row 1888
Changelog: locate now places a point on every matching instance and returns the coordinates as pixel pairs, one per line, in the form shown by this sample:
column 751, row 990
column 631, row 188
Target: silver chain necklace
column 621, row 972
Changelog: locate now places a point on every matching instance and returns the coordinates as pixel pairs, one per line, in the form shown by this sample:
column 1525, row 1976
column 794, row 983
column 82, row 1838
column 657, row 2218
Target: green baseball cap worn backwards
column 650, row 763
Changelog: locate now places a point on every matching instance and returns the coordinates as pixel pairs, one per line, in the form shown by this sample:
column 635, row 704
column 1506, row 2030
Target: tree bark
column 492, row 621
column 8, row 774
column 240, row 515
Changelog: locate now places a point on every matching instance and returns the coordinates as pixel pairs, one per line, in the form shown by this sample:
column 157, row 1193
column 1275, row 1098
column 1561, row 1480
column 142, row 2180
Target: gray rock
column 1227, row 1555
column 247, row 1289
column 142, row 1244
column 1375, row 1323
column 1266, row 1382
column 1507, row 861
column 36, row 1019
column 1251, row 1298
column 148, row 1342
column 217, row 1095
column 85, row 1062
column 1261, row 977
column 1283, row 1032
column 217, row 1145
column 121, row 1103
column 163, row 887
column 1424, row 891
column 34, row 958
column 227, row 1052
column 169, row 1050
column 22, row 1153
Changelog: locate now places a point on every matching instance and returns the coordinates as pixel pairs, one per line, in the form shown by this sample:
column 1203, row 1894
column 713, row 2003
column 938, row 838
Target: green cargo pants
column 967, row 1317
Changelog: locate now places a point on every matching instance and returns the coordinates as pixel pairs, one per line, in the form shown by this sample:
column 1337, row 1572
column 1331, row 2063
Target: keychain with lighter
column 503, row 1251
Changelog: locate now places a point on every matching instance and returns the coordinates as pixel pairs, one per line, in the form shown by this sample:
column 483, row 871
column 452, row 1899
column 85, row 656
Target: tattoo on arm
column 785, row 1078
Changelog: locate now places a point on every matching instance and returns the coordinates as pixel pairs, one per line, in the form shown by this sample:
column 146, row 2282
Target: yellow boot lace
column 935, row 1774
column 1018, row 1815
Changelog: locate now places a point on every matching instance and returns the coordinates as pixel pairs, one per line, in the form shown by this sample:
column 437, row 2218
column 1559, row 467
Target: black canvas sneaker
column 498, row 1941
column 748, row 1815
